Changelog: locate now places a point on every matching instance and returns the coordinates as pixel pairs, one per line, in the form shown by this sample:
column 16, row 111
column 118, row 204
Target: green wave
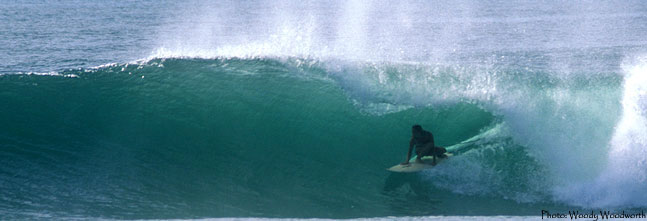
column 178, row 138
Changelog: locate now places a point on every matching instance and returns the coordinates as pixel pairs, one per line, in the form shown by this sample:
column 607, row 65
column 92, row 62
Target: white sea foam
column 51, row 73
column 623, row 182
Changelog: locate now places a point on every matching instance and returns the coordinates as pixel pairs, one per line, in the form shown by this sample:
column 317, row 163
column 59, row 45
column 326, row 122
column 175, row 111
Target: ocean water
column 286, row 109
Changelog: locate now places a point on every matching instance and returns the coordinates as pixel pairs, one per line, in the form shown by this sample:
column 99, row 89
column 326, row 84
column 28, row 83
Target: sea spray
column 622, row 180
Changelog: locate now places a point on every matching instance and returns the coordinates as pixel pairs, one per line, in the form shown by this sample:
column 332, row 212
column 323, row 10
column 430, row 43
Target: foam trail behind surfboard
column 493, row 134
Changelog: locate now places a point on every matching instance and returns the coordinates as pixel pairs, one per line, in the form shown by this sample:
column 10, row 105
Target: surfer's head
column 416, row 129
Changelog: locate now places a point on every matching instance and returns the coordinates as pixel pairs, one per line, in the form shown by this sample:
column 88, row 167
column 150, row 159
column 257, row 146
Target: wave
column 303, row 137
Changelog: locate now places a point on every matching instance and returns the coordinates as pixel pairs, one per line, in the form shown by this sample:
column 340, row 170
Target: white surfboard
column 415, row 167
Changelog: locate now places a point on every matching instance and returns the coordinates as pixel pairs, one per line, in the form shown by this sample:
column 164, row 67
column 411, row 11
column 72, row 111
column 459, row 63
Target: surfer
column 425, row 146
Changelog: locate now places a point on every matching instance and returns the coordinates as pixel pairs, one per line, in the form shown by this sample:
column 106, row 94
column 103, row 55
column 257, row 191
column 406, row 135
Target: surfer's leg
column 421, row 151
column 419, row 154
column 428, row 150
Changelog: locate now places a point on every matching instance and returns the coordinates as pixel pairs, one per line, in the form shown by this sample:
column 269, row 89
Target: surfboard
column 415, row 167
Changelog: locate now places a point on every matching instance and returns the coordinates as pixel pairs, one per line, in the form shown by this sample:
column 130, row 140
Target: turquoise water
column 157, row 110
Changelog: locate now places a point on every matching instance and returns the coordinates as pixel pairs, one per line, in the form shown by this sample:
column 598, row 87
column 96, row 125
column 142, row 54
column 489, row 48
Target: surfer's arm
column 409, row 152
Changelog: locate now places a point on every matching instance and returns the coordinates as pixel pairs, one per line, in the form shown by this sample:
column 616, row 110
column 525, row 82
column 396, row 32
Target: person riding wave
column 424, row 142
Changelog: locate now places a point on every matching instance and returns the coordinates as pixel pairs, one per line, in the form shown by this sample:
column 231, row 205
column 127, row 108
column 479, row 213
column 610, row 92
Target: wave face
column 294, row 109
column 178, row 138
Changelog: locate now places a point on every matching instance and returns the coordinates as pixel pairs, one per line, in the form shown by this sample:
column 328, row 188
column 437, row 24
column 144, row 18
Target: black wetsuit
column 427, row 141
column 426, row 138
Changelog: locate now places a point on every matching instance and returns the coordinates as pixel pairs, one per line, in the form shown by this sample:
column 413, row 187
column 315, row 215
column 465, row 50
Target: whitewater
column 291, row 110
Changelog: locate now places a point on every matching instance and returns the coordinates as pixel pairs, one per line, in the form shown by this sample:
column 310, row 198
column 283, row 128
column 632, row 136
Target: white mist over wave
column 351, row 30
column 530, row 34
column 623, row 182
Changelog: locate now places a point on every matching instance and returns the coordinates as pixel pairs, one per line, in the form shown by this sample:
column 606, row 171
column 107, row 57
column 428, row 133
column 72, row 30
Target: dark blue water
column 168, row 110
